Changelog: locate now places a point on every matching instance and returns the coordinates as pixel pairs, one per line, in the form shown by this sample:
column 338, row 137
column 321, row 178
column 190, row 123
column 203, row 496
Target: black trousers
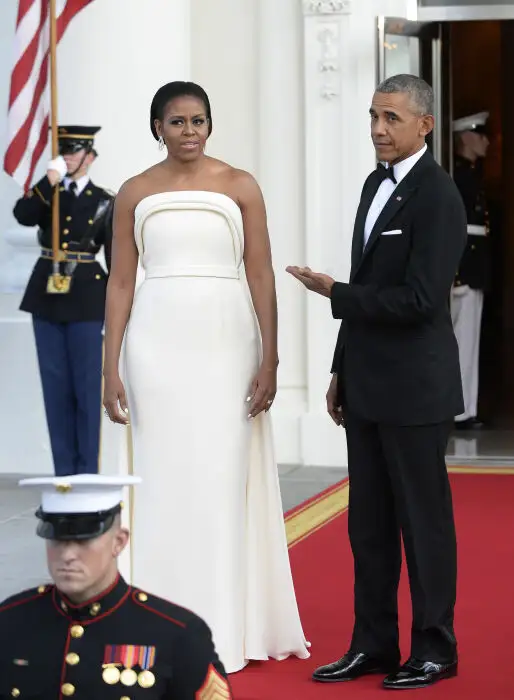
column 399, row 488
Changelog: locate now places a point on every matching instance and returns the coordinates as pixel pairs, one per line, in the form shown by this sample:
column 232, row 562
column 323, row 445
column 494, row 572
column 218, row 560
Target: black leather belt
column 68, row 256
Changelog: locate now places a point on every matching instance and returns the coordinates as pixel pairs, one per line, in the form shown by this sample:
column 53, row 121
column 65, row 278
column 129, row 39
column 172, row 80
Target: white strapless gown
column 207, row 523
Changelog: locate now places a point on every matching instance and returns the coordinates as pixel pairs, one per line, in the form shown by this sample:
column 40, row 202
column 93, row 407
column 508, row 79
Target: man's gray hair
column 420, row 93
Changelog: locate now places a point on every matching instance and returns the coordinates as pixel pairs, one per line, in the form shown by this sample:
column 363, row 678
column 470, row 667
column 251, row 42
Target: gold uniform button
column 68, row 689
column 72, row 659
column 66, row 231
column 64, row 246
column 77, row 631
column 90, row 222
column 41, row 589
column 142, row 597
column 89, row 192
column 15, row 693
column 68, row 218
column 98, row 277
column 125, row 697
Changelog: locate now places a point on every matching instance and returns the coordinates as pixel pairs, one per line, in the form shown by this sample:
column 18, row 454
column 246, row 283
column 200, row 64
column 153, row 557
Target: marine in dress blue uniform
column 122, row 643
column 473, row 277
column 68, row 326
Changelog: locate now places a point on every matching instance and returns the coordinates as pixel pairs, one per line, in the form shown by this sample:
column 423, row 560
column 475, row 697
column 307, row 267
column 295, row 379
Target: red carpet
column 322, row 567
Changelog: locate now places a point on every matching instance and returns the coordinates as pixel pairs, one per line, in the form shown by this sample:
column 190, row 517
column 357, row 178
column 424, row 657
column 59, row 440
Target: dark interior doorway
column 481, row 65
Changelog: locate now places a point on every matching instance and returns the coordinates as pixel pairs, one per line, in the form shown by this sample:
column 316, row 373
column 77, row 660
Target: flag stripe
column 24, row 7
column 29, row 104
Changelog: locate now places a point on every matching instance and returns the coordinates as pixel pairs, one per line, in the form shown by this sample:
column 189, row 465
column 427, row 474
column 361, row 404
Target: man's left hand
column 314, row 281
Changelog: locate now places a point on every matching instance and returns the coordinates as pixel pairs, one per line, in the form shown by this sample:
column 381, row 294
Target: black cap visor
column 83, row 526
column 72, row 146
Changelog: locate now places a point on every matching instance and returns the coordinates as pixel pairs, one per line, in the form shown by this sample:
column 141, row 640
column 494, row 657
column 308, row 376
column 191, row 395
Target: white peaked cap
column 81, row 493
column 471, row 122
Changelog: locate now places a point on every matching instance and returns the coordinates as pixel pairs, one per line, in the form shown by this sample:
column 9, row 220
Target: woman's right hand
column 115, row 400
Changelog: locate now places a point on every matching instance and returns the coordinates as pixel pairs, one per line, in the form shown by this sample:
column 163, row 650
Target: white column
column 112, row 59
column 340, row 38
column 280, row 174
column 325, row 27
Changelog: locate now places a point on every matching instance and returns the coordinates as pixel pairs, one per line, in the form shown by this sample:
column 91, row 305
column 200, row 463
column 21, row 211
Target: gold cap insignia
column 215, row 687
column 63, row 488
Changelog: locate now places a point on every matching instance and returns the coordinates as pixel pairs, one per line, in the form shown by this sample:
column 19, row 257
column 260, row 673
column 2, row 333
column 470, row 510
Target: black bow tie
column 384, row 173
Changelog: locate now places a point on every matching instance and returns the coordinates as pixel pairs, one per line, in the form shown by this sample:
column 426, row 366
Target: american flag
column 29, row 98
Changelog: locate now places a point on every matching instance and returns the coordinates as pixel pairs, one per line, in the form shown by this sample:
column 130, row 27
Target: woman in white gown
column 200, row 366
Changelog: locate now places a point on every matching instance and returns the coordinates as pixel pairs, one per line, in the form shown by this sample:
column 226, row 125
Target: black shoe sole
column 451, row 673
column 379, row 671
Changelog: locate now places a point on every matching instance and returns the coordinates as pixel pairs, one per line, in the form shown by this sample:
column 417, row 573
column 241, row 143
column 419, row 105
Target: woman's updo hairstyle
column 171, row 91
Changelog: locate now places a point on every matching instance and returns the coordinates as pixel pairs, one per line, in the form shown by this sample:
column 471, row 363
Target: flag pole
column 56, row 277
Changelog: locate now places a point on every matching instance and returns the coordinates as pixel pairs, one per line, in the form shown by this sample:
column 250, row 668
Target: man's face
column 397, row 130
column 476, row 143
column 80, row 567
column 78, row 159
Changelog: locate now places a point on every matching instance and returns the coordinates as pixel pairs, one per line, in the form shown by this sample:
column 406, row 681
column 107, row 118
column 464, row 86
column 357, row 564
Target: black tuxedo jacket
column 396, row 355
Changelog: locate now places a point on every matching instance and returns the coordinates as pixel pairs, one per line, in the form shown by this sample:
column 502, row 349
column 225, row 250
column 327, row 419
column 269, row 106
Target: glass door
column 419, row 48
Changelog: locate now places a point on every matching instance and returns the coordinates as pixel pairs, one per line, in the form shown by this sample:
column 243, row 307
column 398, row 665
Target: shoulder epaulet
column 164, row 608
column 26, row 596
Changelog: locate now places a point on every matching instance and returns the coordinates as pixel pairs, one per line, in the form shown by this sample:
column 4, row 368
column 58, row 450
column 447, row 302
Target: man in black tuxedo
column 396, row 387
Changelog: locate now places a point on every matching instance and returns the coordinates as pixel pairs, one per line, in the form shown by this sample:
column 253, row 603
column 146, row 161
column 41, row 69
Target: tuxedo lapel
column 360, row 219
column 397, row 200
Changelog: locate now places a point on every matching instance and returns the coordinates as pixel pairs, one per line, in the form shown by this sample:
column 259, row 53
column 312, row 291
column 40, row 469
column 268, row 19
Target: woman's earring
column 161, row 143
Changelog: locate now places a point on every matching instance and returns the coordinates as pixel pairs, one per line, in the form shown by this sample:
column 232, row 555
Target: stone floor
column 22, row 559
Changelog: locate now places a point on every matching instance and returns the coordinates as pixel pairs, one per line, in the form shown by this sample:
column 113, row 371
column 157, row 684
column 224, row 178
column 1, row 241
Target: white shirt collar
column 402, row 168
column 81, row 183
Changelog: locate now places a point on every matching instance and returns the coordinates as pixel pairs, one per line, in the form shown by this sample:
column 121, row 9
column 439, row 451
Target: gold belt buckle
column 58, row 284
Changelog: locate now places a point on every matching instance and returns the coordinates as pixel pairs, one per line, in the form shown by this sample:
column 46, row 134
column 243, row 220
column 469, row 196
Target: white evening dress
column 207, row 523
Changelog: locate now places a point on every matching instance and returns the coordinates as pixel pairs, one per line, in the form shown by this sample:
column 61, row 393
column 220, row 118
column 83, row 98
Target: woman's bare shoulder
column 138, row 186
column 245, row 187
column 240, row 183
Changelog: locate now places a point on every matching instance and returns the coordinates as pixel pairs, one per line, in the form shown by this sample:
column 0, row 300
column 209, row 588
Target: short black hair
column 170, row 91
column 419, row 91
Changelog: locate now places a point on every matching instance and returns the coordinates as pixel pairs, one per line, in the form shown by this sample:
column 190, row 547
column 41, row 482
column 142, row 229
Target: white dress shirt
column 387, row 188
column 81, row 183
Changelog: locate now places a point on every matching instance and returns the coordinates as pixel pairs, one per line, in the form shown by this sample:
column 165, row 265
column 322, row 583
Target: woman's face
column 184, row 127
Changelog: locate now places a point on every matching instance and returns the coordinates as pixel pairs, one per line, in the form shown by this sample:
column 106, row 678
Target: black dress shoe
column 469, row 424
column 352, row 666
column 419, row 674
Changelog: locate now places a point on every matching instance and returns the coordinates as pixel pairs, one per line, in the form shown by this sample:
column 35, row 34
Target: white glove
column 59, row 166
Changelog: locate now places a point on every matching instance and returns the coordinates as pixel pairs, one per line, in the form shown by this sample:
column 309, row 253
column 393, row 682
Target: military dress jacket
column 85, row 225
column 124, row 645
column 475, row 266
